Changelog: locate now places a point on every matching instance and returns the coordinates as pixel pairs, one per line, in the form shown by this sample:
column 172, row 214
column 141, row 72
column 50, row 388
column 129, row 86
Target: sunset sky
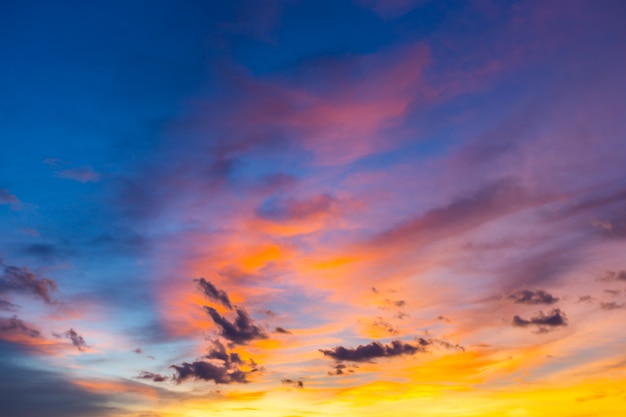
column 301, row 208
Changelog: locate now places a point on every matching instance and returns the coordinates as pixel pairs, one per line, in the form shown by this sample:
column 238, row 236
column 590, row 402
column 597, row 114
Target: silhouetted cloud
column 207, row 371
column 23, row 281
column 152, row 376
column 532, row 297
column 219, row 352
column 585, row 299
column 213, row 293
column 297, row 383
column 14, row 324
column 138, row 351
column 365, row 353
column 282, row 330
column 241, row 331
column 76, row 339
column 554, row 318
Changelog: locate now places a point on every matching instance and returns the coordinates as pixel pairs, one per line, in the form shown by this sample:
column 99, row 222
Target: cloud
column 8, row 198
column 614, row 276
column 6, row 305
column 239, row 332
column 532, row 297
column 30, row 391
column 76, row 339
column 282, row 330
column 14, row 324
column 555, row 318
column 24, row 281
column 219, row 352
column 493, row 200
column 152, row 376
column 283, row 210
column 213, row 293
column 218, row 365
column 611, row 306
column 297, row 383
column 83, row 174
column 207, row 371
column 366, row 353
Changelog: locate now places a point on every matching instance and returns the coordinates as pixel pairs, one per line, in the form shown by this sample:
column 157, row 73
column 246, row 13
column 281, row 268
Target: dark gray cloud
column 15, row 325
column 218, row 365
column 555, row 318
column 366, row 353
column 297, row 383
column 23, row 281
column 240, row 331
column 152, row 376
column 585, row 299
column 213, row 293
column 76, row 339
column 282, row 330
column 208, row 371
column 532, row 297
column 219, row 352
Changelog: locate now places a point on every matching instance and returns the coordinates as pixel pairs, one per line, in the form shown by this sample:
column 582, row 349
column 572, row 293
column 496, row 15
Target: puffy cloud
column 532, row 297
column 241, row 331
column 374, row 350
column 555, row 318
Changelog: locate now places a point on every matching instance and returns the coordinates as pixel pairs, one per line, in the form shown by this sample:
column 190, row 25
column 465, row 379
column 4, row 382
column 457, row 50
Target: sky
column 296, row 208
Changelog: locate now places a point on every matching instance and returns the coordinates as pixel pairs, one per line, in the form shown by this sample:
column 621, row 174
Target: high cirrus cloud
column 532, row 297
column 213, row 293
